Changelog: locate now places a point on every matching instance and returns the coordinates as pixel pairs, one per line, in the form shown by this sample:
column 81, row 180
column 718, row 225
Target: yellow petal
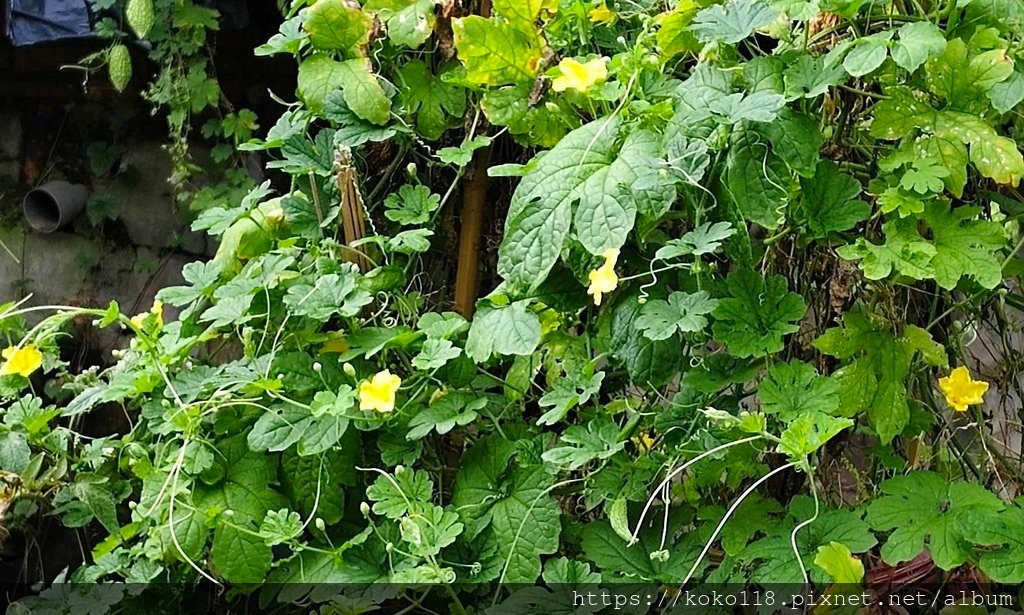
column 960, row 390
column 22, row 361
column 601, row 14
column 578, row 76
column 378, row 393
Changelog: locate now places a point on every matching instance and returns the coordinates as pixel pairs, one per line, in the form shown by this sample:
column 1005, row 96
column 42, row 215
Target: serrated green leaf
column 319, row 75
column 731, row 22
column 964, row 246
column 336, row 25
column 835, row 559
column 918, row 41
column 681, row 312
column 541, row 211
column 925, row 509
column 503, row 330
column 757, row 314
column 409, row 23
column 435, row 102
column 795, row 388
column 829, row 203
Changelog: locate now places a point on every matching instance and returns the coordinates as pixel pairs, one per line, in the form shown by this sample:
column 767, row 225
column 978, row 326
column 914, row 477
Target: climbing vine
column 751, row 314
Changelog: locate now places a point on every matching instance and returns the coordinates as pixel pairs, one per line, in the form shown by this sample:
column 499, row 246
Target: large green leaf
column 434, row 102
column 409, row 22
column 541, row 211
column 924, row 508
column 756, row 180
column 964, row 246
column 829, row 203
column 319, row 75
column 504, row 330
column 337, row 25
column 496, row 52
column 757, row 314
column 509, row 508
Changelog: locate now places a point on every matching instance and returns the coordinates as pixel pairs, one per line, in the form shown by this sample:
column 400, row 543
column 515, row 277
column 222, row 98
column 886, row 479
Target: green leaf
column 924, row 176
column 240, row 557
column 776, row 562
column 463, row 154
column 998, row 158
column 874, row 380
column 430, row 530
column 280, row 526
column 649, row 362
column 336, row 25
column 809, row 432
column 638, row 562
column 319, row 75
column 509, row 508
column 835, row 559
column 503, row 330
column 14, row 451
column 411, row 205
column 756, row 180
column 541, row 210
column 496, row 52
column 796, row 139
column 758, row 313
column 830, row 202
column 918, row 41
column 407, row 492
column 731, row 22
column 674, row 36
column 435, row 354
column 705, row 238
column 1006, row 531
column 963, row 80
column 964, row 246
column 682, row 312
column 441, row 416
column 893, row 199
column 795, row 388
column 409, row 22
column 925, row 509
column 328, row 295
column 435, row 102
column 598, row 440
column 867, row 54
column 904, row 252
column 575, row 388
column 246, row 491
column 1006, row 95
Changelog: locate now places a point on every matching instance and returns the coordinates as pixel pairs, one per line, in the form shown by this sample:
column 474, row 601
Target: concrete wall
column 128, row 259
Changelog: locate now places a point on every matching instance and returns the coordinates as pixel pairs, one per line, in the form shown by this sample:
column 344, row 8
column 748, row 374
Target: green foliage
column 733, row 241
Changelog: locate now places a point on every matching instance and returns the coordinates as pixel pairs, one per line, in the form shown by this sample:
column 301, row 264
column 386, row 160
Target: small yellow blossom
column 603, row 279
column 601, row 14
column 577, row 76
column 644, row 441
column 21, row 360
column 961, row 390
column 157, row 310
column 378, row 394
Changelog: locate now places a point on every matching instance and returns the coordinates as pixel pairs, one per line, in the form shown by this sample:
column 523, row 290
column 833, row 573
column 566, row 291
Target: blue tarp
column 36, row 21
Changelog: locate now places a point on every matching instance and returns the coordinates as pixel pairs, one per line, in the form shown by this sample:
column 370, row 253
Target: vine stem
column 725, row 519
column 676, row 472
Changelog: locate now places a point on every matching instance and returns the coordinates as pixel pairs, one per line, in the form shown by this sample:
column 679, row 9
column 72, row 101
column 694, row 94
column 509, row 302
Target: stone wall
column 128, row 258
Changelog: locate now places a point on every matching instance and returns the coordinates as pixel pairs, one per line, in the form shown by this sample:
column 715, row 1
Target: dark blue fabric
column 36, row 21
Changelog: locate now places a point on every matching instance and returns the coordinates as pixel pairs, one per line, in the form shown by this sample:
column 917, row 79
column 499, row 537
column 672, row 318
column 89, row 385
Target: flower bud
column 317, row 367
column 410, row 170
column 389, row 547
column 364, row 508
column 349, row 370
column 320, row 525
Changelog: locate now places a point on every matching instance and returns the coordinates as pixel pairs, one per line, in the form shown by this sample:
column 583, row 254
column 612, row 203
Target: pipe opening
column 41, row 211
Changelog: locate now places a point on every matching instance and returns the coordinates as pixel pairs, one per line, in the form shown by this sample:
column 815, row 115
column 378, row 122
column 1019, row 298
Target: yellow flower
column 379, row 393
column 961, row 390
column 644, row 441
column 601, row 14
column 577, row 76
column 157, row 310
column 21, row 360
column 603, row 279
